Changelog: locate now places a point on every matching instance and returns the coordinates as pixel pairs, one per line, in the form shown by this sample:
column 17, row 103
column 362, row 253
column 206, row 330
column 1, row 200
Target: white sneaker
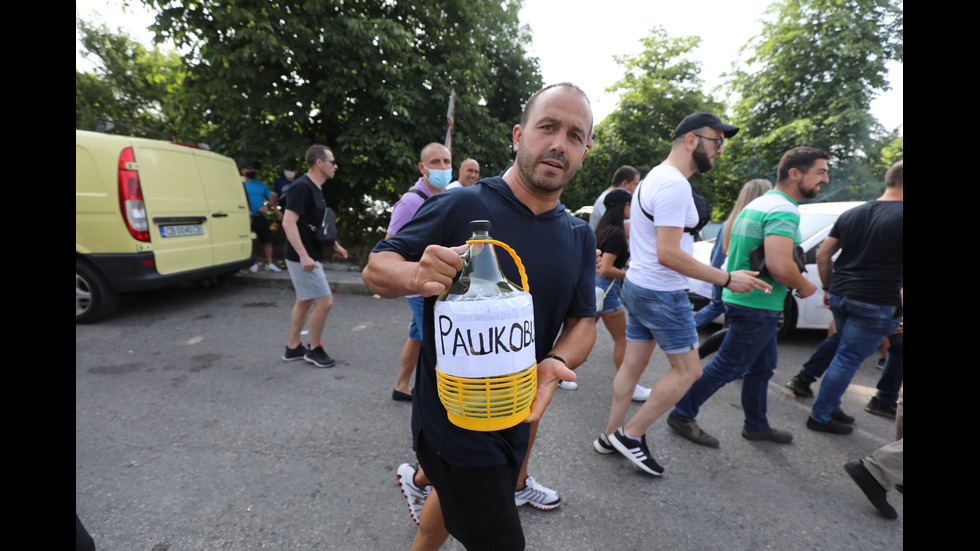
column 568, row 385
column 272, row 268
column 415, row 495
column 641, row 393
column 253, row 268
column 537, row 496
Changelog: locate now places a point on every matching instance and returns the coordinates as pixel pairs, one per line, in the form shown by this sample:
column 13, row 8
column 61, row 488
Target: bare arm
column 825, row 260
column 671, row 255
column 607, row 269
column 390, row 275
column 573, row 346
column 290, row 223
column 782, row 267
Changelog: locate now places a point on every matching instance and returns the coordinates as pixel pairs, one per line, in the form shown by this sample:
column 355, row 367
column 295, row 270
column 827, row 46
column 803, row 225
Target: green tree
column 370, row 79
column 130, row 84
column 810, row 80
column 660, row 87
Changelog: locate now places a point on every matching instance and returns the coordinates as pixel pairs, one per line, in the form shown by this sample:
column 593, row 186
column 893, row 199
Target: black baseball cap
column 617, row 197
column 702, row 119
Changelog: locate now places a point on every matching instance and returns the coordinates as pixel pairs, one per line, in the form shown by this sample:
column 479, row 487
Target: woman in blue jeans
column 611, row 239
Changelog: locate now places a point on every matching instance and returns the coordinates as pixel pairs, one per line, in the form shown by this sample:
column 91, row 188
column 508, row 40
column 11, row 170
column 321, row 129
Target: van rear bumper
column 137, row 272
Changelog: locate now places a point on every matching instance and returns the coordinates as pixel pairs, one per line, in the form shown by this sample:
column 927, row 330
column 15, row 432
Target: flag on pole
column 450, row 115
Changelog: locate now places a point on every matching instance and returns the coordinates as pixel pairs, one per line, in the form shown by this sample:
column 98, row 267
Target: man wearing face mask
column 435, row 164
column 279, row 186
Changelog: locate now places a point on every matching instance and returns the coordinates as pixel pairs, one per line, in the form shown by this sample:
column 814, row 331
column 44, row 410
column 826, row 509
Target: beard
column 808, row 193
column 701, row 158
column 527, row 167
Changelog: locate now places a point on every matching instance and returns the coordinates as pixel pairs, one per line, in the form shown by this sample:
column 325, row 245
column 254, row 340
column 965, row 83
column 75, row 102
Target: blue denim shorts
column 612, row 301
column 415, row 329
column 663, row 316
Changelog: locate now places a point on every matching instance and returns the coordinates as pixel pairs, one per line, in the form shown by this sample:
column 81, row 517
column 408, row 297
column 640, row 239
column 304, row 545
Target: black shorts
column 260, row 225
column 477, row 502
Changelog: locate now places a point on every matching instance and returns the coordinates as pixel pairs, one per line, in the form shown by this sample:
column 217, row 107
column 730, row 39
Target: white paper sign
column 484, row 338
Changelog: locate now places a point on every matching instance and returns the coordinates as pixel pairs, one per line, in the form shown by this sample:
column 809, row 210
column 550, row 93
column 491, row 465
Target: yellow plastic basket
column 489, row 403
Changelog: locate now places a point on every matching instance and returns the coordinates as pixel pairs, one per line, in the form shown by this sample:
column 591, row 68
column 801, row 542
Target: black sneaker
column 832, row 426
column 318, row 357
column 602, row 445
column 293, row 354
column 842, row 417
column 877, row 407
column 800, row 387
column 637, row 452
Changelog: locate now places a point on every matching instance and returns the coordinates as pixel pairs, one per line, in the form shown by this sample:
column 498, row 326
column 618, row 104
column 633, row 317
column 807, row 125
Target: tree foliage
column 130, row 84
column 810, row 80
column 660, row 87
column 370, row 79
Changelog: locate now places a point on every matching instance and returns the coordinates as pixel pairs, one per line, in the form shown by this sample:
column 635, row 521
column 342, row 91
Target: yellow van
column 152, row 213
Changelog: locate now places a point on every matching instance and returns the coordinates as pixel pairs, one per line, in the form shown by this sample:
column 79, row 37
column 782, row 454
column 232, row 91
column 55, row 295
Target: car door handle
column 219, row 215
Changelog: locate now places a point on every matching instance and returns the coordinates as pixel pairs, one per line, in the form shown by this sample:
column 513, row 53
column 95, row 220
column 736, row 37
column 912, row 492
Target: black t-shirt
column 558, row 253
column 616, row 244
column 870, row 267
column 306, row 200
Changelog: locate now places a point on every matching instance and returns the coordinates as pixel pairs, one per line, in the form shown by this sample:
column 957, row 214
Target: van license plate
column 181, row 229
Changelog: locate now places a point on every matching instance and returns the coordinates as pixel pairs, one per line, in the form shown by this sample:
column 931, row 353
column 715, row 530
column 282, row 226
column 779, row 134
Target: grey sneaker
column 293, row 354
column 768, row 434
column 318, row 357
column 537, row 496
column 691, row 431
column 415, row 495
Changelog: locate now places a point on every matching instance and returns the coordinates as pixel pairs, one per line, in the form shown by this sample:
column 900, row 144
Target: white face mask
column 289, row 174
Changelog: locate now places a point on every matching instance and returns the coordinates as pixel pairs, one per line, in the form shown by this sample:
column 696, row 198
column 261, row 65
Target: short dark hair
column 624, row 175
column 800, row 158
column 534, row 98
column 316, row 151
column 893, row 178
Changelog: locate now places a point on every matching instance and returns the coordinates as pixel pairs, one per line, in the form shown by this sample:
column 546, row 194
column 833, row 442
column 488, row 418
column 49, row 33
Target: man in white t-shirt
column 666, row 213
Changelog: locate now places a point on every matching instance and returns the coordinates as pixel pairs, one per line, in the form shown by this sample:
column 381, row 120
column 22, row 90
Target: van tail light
column 131, row 198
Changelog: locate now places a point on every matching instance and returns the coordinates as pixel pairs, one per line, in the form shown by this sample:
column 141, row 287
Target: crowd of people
column 628, row 268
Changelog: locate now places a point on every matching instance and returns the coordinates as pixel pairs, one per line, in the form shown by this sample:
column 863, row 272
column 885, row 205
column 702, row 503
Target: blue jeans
column 749, row 349
column 891, row 375
column 663, row 316
column 861, row 326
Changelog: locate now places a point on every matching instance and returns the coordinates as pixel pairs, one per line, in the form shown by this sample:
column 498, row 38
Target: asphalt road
column 192, row 434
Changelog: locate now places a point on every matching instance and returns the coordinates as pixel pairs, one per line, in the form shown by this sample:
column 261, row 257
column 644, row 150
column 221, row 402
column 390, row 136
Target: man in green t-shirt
column 749, row 349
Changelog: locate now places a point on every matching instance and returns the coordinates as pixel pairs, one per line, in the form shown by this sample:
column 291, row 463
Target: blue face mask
column 439, row 179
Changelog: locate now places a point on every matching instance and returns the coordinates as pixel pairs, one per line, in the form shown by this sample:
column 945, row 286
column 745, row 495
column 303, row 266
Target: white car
column 816, row 220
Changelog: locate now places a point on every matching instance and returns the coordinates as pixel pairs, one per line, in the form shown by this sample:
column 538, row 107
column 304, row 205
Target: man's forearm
column 390, row 275
column 576, row 341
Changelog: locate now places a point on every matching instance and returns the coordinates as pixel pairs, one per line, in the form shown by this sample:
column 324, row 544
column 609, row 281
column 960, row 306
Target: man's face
column 438, row 158
column 813, row 179
column 552, row 146
column 704, row 155
column 469, row 172
column 329, row 167
column 631, row 186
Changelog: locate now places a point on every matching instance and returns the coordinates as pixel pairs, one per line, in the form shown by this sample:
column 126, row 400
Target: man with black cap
column 770, row 224
column 668, row 210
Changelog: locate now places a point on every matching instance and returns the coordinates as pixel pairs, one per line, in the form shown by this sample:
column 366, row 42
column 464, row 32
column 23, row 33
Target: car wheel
column 94, row 297
column 787, row 318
